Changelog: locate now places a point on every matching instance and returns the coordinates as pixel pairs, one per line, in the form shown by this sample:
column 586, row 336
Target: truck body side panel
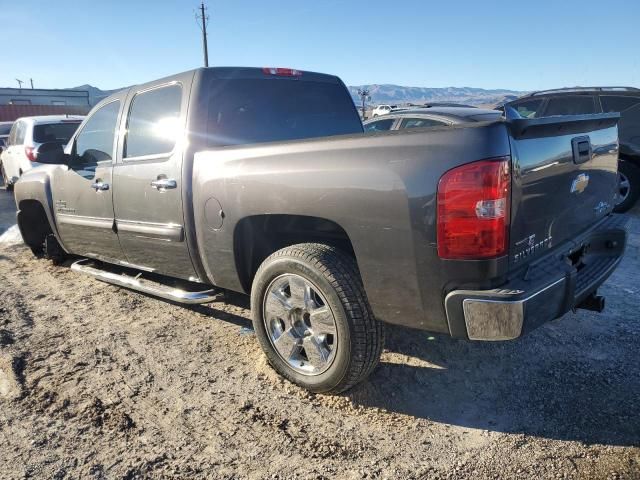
column 380, row 189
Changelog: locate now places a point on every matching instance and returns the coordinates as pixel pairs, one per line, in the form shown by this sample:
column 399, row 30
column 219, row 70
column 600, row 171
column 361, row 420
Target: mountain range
column 396, row 94
column 390, row 94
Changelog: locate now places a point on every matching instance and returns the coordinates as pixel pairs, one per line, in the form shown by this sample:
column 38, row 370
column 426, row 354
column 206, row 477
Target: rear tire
column 628, row 186
column 333, row 299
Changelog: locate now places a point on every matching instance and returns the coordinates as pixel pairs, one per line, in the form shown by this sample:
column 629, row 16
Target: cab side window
column 153, row 125
column 95, row 142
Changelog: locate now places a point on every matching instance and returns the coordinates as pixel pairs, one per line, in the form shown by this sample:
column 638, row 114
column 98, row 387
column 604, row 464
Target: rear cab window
column 54, row 132
column 255, row 110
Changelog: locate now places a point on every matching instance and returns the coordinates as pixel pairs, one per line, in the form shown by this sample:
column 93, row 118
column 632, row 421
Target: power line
column 203, row 17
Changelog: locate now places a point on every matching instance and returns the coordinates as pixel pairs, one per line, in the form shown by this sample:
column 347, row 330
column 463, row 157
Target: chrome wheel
column 624, row 187
column 300, row 324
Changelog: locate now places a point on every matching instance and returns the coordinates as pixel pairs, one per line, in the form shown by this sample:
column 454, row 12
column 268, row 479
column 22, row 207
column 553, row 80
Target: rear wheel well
column 33, row 224
column 257, row 237
column 635, row 161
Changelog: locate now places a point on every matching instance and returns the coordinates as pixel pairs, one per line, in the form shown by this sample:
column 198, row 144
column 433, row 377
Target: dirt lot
column 100, row 382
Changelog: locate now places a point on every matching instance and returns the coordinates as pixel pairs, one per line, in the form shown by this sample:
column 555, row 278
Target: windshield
column 54, row 132
column 245, row 111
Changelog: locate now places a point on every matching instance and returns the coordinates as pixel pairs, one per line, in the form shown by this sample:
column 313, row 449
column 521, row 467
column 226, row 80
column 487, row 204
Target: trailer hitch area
column 593, row 302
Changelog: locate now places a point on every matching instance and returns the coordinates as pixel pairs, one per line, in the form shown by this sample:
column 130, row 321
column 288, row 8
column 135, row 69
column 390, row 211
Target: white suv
column 381, row 110
column 27, row 134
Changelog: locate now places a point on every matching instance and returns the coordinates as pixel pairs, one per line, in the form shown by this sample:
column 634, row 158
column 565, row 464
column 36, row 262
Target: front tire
column 628, row 186
column 312, row 318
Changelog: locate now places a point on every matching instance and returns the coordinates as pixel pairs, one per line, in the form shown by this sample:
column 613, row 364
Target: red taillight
column 30, row 153
column 473, row 210
column 282, row 72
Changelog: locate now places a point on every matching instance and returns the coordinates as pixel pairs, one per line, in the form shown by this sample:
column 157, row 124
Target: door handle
column 98, row 186
column 164, row 184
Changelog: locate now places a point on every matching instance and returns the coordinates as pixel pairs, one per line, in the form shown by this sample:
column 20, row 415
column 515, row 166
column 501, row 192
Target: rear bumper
column 548, row 289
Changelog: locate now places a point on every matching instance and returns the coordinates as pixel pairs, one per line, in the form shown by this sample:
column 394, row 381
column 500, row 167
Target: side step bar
column 149, row 287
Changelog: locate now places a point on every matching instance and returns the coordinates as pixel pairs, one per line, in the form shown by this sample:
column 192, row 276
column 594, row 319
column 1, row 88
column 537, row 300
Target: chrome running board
column 149, row 287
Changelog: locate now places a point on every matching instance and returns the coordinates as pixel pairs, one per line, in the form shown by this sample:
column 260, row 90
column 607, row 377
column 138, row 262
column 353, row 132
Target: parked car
column 431, row 117
column 261, row 181
column 579, row 101
column 26, row 135
column 383, row 110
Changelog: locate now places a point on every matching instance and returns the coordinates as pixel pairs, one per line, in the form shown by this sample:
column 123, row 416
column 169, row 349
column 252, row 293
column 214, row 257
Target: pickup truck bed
column 480, row 231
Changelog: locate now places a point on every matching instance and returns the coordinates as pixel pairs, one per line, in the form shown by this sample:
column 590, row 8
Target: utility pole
column 364, row 94
column 31, row 80
column 20, row 82
column 204, row 18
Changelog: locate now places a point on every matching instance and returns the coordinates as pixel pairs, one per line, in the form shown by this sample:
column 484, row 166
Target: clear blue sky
column 514, row 44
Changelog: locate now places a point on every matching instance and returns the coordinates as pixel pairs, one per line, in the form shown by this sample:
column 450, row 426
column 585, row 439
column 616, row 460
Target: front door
column 83, row 191
column 148, row 179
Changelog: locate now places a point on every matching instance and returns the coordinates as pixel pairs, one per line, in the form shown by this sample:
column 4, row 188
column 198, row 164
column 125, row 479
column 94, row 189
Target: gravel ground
column 101, row 382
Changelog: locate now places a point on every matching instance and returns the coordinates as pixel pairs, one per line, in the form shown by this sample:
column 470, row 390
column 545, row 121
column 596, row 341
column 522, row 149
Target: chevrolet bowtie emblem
column 580, row 183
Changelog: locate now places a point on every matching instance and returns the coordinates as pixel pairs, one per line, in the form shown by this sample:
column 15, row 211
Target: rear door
column 83, row 190
column 564, row 179
column 148, row 183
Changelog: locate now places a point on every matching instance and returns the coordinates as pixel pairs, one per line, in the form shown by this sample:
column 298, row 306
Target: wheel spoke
column 287, row 344
column 322, row 321
column 300, row 292
column 277, row 305
column 316, row 351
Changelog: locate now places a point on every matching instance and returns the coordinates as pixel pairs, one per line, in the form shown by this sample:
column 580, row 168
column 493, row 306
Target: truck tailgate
column 564, row 180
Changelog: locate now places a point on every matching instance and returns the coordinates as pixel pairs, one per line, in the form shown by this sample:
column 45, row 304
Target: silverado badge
column 580, row 183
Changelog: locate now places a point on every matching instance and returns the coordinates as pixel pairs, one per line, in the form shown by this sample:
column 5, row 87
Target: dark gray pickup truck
column 217, row 179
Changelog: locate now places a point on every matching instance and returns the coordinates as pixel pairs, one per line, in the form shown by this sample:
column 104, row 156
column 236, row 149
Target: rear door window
column 570, row 105
column 54, row 132
column 153, row 124
column 420, row 123
column 529, row 108
column 245, row 111
column 379, row 125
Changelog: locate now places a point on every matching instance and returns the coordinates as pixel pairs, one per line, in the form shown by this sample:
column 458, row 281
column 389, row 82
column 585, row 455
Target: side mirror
column 51, row 153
